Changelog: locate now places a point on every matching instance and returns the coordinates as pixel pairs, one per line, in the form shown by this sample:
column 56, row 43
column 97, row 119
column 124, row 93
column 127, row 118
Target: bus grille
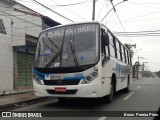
column 61, row 82
column 67, row 92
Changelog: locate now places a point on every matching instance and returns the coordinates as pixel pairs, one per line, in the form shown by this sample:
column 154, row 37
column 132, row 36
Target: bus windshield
column 68, row 46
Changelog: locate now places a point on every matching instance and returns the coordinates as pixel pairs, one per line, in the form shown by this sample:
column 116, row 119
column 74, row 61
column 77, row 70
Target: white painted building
column 19, row 30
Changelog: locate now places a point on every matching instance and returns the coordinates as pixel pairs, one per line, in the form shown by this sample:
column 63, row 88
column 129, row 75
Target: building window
column 2, row 28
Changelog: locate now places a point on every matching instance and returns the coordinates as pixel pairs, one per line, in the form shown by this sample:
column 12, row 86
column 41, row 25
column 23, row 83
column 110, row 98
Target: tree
column 136, row 69
column 158, row 74
column 129, row 48
column 148, row 74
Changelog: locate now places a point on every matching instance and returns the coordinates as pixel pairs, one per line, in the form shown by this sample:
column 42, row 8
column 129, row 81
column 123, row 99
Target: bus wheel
column 109, row 98
column 127, row 89
column 62, row 99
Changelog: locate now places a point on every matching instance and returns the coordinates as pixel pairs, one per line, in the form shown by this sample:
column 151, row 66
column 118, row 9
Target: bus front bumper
column 91, row 90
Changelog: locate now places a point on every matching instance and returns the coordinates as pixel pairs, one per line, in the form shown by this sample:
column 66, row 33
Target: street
column 144, row 96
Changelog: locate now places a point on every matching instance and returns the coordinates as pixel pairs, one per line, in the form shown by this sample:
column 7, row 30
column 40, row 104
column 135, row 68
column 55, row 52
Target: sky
column 133, row 17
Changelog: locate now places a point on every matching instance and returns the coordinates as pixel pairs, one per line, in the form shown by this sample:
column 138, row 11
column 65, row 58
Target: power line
column 83, row 2
column 101, row 9
column 52, row 10
column 9, row 15
column 25, row 1
column 150, row 51
column 138, row 35
column 155, row 55
column 113, row 8
column 122, row 26
column 143, row 5
column 115, row 22
column 148, row 3
column 20, row 18
column 83, row 7
column 69, row 11
column 137, row 17
column 137, row 32
column 26, row 27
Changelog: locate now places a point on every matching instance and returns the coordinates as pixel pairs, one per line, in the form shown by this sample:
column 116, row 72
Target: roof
column 11, row 2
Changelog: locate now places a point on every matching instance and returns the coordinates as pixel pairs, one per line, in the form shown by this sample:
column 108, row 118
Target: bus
column 81, row 60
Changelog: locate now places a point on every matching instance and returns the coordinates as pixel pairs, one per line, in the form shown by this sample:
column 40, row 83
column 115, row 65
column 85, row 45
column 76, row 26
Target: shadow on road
column 83, row 103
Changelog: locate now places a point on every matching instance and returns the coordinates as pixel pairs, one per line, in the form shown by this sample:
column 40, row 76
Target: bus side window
column 124, row 51
column 126, row 56
column 111, row 45
column 105, row 43
column 130, row 59
column 118, row 50
column 105, row 47
column 115, row 49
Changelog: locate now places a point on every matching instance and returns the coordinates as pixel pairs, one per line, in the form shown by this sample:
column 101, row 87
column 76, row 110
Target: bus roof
column 71, row 24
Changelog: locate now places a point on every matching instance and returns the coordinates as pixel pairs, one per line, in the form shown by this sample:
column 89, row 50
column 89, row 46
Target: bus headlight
column 87, row 80
column 90, row 78
column 94, row 74
column 36, row 79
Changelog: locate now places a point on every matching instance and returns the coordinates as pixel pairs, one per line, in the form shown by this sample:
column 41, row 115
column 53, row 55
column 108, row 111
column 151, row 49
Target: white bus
column 82, row 60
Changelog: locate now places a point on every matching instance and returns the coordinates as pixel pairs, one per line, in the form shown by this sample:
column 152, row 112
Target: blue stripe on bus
column 41, row 76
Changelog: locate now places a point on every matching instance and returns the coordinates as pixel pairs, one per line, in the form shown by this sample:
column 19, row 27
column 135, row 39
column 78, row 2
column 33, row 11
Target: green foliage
column 148, row 74
column 129, row 48
column 136, row 66
column 158, row 74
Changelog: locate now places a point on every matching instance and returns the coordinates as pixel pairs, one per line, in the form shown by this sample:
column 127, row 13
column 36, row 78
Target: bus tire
column 109, row 98
column 127, row 89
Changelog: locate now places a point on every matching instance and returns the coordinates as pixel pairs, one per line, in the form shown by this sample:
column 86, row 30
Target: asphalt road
column 144, row 96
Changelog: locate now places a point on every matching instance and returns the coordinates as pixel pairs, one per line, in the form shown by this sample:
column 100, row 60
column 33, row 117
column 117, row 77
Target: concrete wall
column 16, row 29
column 21, row 27
column 6, row 54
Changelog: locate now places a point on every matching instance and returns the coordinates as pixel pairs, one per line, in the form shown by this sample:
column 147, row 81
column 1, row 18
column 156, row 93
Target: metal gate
column 24, row 70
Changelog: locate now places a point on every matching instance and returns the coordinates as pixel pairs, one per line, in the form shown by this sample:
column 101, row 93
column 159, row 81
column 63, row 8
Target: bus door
column 105, row 57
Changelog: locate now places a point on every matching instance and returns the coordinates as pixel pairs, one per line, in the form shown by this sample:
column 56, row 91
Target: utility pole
column 138, row 66
column 139, row 58
column 93, row 12
column 143, row 68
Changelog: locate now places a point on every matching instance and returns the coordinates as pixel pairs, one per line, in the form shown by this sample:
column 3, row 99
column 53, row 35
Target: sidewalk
column 17, row 98
column 136, row 79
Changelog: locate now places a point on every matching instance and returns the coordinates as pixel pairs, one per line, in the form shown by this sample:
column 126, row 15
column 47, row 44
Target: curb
column 13, row 92
column 23, row 103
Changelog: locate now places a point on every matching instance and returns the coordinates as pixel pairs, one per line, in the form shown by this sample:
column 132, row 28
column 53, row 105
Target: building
column 19, row 31
column 138, row 72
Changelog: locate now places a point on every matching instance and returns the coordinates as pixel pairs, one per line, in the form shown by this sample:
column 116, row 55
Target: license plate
column 60, row 89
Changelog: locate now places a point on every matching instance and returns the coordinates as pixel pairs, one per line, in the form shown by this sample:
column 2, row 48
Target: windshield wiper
column 53, row 59
column 57, row 54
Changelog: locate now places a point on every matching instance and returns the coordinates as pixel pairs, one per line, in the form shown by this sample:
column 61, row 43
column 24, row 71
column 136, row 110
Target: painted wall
column 6, row 54
column 16, row 28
